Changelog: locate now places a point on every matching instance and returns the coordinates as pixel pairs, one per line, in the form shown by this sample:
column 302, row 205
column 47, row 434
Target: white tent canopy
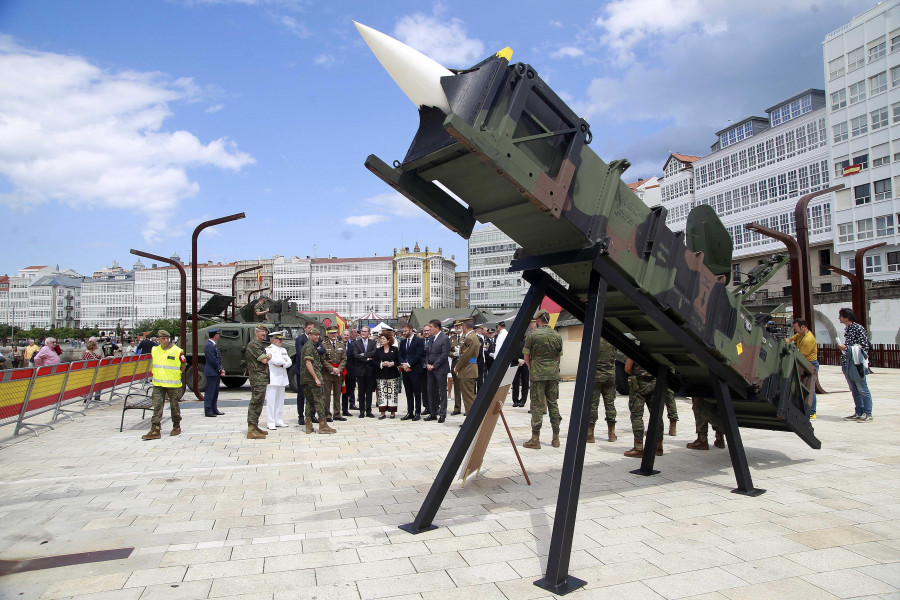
column 380, row 327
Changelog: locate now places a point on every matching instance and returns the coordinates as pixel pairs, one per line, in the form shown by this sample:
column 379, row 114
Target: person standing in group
column 425, row 334
column 352, row 393
column 109, row 348
column 333, row 362
column 16, row 357
column 298, row 371
column 490, row 344
column 348, row 401
column 499, row 338
column 479, row 331
column 456, row 339
column 47, row 355
column 854, row 359
column 167, row 365
column 805, row 341
column 467, row 366
column 213, row 371
column 364, row 366
column 387, row 374
column 311, row 379
column 437, row 365
column 522, row 378
column 256, row 358
column 412, row 367
column 605, row 387
column 278, row 363
column 702, row 427
column 642, row 386
column 91, row 352
column 30, row 350
column 542, row 351
column 146, row 345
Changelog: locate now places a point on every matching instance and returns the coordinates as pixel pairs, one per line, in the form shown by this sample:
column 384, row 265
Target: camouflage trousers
column 701, row 422
column 640, row 395
column 331, row 389
column 315, row 401
column 257, row 398
column 606, row 389
column 544, row 396
column 159, row 397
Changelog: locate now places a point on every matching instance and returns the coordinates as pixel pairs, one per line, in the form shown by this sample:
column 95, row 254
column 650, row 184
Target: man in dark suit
column 364, row 366
column 213, row 371
column 479, row 331
column 412, row 363
column 437, row 364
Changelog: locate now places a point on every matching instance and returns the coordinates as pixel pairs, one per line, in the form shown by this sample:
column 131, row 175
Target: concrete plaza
column 211, row 514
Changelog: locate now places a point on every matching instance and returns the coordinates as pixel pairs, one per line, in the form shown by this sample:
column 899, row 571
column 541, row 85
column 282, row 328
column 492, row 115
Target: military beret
column 163, row 333
column 314, row 331
column 542, row 314
column 331, row 330
column 261, row 327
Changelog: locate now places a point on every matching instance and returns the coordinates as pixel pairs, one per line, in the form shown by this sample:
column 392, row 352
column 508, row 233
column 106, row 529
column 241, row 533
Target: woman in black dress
column 387, row 374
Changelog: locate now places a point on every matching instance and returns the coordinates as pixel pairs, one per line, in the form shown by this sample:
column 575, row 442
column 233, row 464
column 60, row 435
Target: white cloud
column 71, row 132
column 364, row 220
column 215, row 108
column 292, row 24
column 325, row 60
column 442, row 38
column 567, row 52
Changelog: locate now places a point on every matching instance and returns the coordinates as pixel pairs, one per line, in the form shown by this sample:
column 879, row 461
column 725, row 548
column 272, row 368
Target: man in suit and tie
column 364, row 366
column 213, row 371
column 412, row 364
column 437, row 364
column 479, row 331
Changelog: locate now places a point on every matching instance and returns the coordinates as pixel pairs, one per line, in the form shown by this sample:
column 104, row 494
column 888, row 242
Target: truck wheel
column 234, row 382
column 292, row 379
column 201, row 379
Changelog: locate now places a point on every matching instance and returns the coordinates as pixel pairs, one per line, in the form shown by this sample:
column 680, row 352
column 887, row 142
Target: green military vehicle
column 235, row 334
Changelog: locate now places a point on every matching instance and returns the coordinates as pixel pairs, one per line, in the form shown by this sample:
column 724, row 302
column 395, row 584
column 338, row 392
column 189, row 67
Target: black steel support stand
column 557, row 579
column 483, row 403
column 654, row 427
column 735, row 444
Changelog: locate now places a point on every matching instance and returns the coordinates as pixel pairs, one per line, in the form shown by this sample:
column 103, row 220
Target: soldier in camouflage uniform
column 334, row 359
column 456, row 339
column 702, row 425
column 261, row 309
column 258, row 369
column 642, row 386
column 311, row 380
column 605, row 386
column 542, row 352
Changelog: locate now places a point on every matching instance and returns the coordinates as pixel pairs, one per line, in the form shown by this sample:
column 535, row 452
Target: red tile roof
column 686, row 157
column 352, row 260
column 36, row 267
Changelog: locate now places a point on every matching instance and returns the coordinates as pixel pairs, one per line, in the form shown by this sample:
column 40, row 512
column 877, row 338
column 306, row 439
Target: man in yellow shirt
column 805, row 341
column 31, row 350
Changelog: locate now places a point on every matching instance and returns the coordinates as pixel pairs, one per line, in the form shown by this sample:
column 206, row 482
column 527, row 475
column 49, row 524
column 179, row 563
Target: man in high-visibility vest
column 167, row 365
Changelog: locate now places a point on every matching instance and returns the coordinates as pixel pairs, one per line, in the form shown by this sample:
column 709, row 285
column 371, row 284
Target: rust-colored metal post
column 181, row 272
column 250, row 294
column 234, row 289
column 863, row 315
column 194, row 283
column 802, row 223
column 798, row 292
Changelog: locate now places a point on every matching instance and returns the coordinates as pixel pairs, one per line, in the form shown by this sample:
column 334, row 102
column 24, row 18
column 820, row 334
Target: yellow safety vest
column 166, row 366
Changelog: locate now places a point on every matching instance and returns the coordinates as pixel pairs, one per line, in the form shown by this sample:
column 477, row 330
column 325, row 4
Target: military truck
column 236, row 334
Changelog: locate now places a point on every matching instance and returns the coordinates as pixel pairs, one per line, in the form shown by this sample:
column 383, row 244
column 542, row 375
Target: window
column 836, row 68
column 840, row 132
column 877, row 83
column 873, row 263
column 824, row 261
column 877, row 51
column 883, row 189
column 845, row 233
column 839, row 166
column 884, row 225
column 862, row 193
column 881, row 160
column 879, row 118
column 895, row 43
column 851, row 265
column 855, row 59
column 839, row 98
column 895, row 76
column 859, row 125
column 893, row 262
column 862, row 160
column 857, row 92
column 864, row 229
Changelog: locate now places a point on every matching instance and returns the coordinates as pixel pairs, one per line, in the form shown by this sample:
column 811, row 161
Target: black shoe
column 864, row 418
column 329, row 420
column 353, row 406
column 426, row 412
column 209, row 415
column 381, row 417
column 455, row 412
column 441, row 420
column 393, row 415
column 362, row 415
column 430, row 418
column 302, row 421
column 416, row 418
column 370, row 415
column 406, row 417
column 346, row 413
column 340, row 419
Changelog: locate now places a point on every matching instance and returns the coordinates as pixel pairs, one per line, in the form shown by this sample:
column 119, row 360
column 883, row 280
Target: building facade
column 291, row 280
column 42, row 296
column 491, row 285
column 862, row 75
column 352, row 287
column 422, row 279
column 249, row 282
column 107, row 301
column 461, row 294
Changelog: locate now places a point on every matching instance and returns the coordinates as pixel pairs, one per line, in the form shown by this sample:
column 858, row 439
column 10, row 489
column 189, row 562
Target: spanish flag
column 258, row 273
column 553, row 308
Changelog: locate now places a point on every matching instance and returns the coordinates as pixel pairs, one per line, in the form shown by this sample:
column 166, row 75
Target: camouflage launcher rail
column 512, row 153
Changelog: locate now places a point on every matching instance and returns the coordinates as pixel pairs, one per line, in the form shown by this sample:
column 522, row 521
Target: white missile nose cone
column 417, row 75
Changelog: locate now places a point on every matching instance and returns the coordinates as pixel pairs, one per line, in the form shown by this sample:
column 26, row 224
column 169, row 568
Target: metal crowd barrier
column 26, row 393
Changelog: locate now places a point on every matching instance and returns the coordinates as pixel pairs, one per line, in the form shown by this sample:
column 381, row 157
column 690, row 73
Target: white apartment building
column 259, row 277
column 157, row 290
column 491, row 285
column 648, row 190
column 352, row 287
column 757, row 171
column 291, row 280
column 42, row 296
column 862, row 75
column 422, row 280
column 107, row 300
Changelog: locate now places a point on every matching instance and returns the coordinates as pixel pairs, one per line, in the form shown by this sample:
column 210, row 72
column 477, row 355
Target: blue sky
column 124, row 124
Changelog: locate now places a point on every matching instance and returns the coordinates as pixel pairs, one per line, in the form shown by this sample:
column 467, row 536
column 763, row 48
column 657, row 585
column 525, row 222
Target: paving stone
column 849, row 583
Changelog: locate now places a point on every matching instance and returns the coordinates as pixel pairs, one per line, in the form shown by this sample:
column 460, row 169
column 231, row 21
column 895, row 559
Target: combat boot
column 176, row 428
column 309, row 426
column 612, row 432
column 324, row 428
column 701, row 443
column 152, row 435
column 590, row 438
column 638, row 450
column 672, row 427
column 555, row 441
column 535, row 442
column 659, row 450
column 254, row 434
column 720, row 440
column 258, row 430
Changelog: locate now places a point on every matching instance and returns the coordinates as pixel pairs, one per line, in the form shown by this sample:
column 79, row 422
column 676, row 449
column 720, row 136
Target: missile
column 417, row 75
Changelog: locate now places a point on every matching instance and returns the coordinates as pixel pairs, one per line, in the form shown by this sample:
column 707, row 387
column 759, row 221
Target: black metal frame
column 603, row 276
